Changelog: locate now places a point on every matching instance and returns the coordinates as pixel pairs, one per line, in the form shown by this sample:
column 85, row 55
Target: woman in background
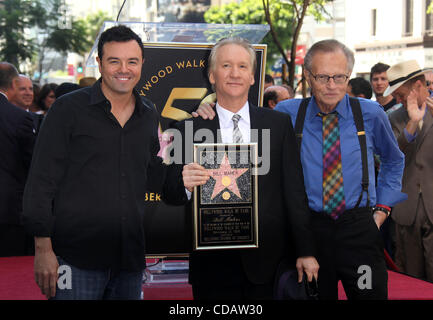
column 46, row 98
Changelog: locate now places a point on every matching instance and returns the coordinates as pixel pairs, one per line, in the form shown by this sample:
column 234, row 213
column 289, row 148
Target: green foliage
column 29, row 27
column 15, row 17
column 283, row 18
column 251, row 12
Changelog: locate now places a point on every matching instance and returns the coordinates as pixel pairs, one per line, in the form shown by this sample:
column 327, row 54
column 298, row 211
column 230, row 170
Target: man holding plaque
column 240, row 273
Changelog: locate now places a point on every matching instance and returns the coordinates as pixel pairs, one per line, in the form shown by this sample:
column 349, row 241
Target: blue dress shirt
column 380, row 140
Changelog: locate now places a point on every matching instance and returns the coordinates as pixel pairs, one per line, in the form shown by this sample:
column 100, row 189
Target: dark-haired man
column 379, row 83
column 84, row 198
column 359, row 87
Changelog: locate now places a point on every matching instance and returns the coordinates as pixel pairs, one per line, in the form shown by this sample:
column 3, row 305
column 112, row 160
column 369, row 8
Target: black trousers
column 220, row 275
column 244, row 291
column 350, row 249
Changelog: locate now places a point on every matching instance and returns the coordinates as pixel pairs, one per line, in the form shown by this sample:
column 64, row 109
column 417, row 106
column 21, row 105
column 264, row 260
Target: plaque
column 225, row 208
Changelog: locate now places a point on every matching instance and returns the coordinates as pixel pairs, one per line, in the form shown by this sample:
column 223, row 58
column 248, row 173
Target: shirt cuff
column 409, row 137
column 188, row 194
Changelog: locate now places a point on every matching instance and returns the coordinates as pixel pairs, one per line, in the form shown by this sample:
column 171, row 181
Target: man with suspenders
column 337, row 137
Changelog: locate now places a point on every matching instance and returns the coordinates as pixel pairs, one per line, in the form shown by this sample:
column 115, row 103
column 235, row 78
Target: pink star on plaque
column 225, row 177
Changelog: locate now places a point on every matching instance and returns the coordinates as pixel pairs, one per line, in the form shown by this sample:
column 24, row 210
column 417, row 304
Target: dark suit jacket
column 16, row 145
column 282, row 207
column 418, row 167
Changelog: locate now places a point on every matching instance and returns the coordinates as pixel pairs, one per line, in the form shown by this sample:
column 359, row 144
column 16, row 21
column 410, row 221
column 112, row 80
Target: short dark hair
column 378, row 68
column 8, row 73
column 118, row 33
column 269, row 79
column 361, row 86
column 270, row 95
column 45, row 91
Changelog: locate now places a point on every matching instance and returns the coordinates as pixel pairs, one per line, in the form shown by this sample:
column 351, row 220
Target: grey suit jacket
column 418, row 170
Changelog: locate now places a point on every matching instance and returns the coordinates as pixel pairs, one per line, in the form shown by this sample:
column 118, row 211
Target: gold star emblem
column 225, row 177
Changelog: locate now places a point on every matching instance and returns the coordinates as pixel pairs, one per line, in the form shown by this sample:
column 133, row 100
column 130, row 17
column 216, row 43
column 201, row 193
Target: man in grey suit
column 413, row 128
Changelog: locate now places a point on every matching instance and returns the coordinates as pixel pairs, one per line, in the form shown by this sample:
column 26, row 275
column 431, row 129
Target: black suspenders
column 359, row 123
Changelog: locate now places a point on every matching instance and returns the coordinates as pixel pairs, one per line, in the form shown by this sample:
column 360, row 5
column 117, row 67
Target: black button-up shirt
column 88, row 180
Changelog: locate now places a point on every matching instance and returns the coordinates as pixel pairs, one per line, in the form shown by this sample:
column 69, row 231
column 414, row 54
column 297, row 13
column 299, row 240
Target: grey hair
column 232, row 40
column 330, row 45
column 8, row 73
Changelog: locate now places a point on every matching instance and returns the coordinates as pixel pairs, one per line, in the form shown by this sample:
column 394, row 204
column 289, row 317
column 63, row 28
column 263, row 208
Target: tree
column 285, row 19
column 16, row 17
column 301, row 8
column 251, row 12
column 31, row 28
column 60, row 33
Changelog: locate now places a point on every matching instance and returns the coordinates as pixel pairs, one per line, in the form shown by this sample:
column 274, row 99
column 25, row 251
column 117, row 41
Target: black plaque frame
column 227, row 219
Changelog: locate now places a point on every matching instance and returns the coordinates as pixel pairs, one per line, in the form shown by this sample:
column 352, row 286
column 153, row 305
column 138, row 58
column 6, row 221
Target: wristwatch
column 387, row 210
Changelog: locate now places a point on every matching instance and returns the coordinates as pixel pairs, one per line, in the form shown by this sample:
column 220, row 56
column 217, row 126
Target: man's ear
column 211, row 78
column 99, row 64
column 272, row 104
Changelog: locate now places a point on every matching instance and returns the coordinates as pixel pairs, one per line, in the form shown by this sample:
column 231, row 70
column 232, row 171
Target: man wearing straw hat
column 413, row 128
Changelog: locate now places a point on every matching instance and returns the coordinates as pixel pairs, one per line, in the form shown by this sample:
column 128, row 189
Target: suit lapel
column 255, row 123
column 427, row 124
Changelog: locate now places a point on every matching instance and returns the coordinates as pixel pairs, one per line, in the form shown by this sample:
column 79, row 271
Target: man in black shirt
column 379, row 83
column 84, row 199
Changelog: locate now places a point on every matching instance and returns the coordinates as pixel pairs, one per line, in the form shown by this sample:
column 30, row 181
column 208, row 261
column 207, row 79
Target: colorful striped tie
column 333, row 193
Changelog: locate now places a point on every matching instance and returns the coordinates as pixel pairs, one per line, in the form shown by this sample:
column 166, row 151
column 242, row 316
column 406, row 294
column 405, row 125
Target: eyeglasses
column 324, row 78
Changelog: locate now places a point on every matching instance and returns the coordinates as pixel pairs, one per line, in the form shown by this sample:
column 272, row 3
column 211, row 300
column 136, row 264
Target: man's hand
column 310, row 266
column 194, row 175
column 205, row 110
column 414, row 112
column 46, row 266
column 379, row 217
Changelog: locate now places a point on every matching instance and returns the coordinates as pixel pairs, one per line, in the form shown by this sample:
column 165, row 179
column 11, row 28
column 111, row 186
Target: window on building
column 373, row 22
column 408, row 25
column 428, row 17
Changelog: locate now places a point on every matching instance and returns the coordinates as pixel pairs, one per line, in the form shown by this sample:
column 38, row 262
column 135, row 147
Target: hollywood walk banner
column 174, row 78
column 225, row 208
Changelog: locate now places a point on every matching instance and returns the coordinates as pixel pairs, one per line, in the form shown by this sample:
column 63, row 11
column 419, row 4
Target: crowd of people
column 345, row 173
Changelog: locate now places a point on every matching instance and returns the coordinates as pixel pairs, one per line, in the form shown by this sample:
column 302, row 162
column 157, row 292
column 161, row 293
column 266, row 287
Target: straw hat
column 401, row 72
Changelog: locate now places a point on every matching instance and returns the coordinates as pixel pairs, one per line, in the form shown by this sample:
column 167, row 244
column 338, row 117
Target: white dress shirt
column 227, row 125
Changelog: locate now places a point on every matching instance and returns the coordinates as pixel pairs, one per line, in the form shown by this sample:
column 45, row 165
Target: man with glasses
column 337, row 138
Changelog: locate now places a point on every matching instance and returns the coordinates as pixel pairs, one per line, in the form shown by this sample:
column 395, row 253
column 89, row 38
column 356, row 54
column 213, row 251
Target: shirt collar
column 342, row 108
column 225, row 116
column 97, row 97
column 4, row 95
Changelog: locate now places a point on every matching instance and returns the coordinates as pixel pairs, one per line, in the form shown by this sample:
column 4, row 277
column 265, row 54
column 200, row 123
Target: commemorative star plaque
column 225, row 208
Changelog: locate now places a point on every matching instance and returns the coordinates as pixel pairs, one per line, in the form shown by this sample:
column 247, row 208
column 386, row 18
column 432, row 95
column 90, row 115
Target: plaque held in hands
column 225, row 208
